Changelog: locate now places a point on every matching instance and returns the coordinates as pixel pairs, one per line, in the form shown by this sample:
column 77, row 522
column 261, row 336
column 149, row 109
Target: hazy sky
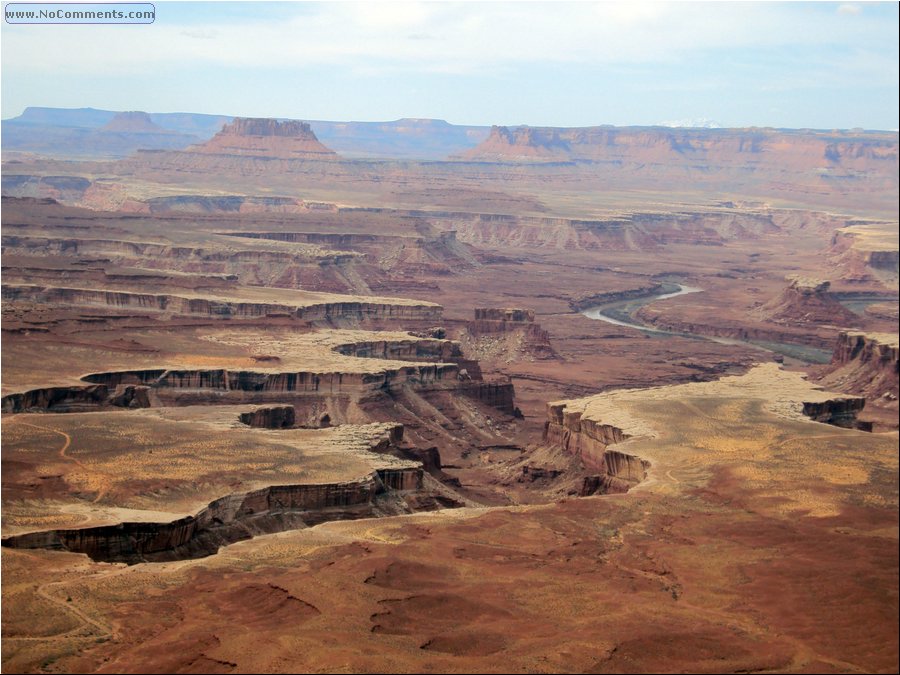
column 806, row 64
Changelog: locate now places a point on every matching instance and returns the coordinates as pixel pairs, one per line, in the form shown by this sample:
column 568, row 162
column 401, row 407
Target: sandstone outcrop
column 59, row 399
column 840, row 412
column 179, row 387
column 589, row 441
column 270, row 417
column 224, row 308
column 515, row 323
column 499, row 395
column 867, row 365
column 262, row 137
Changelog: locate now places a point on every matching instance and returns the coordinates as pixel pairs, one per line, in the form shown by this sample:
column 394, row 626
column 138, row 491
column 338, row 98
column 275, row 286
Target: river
column 622, row 314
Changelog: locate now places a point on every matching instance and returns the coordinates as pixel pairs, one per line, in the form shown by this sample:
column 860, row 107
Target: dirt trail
column 62, row 454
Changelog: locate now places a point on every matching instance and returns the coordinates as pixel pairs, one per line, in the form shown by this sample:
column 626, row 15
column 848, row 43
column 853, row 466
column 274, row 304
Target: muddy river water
column 622, row 313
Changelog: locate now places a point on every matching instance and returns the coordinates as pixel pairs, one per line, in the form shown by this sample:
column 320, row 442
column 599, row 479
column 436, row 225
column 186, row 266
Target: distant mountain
column 801, row 150
column 408, row 138
column 88, row 118
column 88, row 132
column 66, row 133
column 195, row 124
column 91, row 133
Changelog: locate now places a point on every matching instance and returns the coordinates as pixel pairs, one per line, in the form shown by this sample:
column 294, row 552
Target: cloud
column 849, row 9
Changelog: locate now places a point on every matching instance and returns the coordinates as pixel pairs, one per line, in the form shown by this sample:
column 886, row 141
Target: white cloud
column 847, row 8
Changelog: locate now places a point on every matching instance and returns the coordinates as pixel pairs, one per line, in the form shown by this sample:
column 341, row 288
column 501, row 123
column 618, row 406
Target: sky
column 797, row 65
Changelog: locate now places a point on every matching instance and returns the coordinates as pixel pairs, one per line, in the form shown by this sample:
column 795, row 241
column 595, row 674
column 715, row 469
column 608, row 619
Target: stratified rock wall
column 208, row 307
column 227, row 520
column 589, row 440
column 866, row 365
column 498, row 321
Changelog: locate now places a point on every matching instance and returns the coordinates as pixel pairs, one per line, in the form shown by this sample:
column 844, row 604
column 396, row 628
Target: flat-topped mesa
column 589, row 440
column 263, row 137
column 133, row 122
column 264, row 126
column 807, row 301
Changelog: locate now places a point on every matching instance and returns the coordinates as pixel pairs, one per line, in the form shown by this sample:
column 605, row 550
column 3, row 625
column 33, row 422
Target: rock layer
column 271, row 417
column 589, row 440
column 221, row 307
column 866, row 365
column 232, row 519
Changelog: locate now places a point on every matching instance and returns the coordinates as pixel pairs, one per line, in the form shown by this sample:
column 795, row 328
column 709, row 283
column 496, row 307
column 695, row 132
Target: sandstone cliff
column 589, row 441
column 865, row 364
column 510, row 331
column 219, row 307
column 270, row 417
column 233, row 518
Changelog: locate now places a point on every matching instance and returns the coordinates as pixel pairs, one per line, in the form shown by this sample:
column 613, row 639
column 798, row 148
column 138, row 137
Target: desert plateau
column 292, row 395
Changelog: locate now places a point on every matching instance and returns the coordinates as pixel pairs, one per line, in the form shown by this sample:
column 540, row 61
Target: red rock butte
column 263, row 137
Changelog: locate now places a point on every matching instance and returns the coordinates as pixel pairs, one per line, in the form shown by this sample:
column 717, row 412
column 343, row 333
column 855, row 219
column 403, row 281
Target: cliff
column 261, row 137
column 589, row 441
column 178, row 387
column 865, row 364
column 271, row 417
column 219, row 307
column 233, row 518
column 518, row 324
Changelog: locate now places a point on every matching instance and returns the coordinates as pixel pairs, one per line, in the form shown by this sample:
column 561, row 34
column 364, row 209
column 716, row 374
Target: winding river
column 622, row 313
column 610, row 311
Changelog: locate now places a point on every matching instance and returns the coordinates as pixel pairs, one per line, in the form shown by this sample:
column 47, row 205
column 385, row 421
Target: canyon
column 285, row 395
